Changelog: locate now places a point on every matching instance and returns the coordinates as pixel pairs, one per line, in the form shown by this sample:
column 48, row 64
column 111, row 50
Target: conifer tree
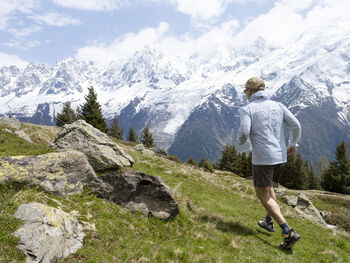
column 91, row 111
column 146, row 138
column 67, row 116
column 301, row 177
column 322, row 165
column 287, row 179
column 245, row 165
column 314, row 180
column 192, row 161
column 336, row 177
column 115, row 130
column 132, row 137
column 206, row 165
column 295, row 175
column 229, row 160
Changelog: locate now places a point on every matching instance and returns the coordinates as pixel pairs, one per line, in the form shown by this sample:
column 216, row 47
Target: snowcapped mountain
column 191, row 105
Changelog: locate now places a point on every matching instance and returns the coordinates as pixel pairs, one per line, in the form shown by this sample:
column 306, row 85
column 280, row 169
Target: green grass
column 217, row 223
column 337, row 207
column 12, row 145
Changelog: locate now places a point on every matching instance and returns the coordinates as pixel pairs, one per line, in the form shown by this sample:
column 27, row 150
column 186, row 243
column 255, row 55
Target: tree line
column 298, row 174
column 91, row 112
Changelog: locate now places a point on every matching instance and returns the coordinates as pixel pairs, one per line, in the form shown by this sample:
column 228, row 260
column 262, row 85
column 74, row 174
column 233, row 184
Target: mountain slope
column 217, row 222
column 175, row 97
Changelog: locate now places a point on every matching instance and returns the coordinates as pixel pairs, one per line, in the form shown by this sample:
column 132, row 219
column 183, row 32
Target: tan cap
column 255, row 83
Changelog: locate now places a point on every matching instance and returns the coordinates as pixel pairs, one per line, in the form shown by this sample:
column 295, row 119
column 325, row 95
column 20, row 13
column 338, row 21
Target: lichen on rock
column 63, row 173
column 48, row 234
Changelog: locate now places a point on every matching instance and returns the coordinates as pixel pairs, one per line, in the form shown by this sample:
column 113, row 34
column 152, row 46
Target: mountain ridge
column 169, row 90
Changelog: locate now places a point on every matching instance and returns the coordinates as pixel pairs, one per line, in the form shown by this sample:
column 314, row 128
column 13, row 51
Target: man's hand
column 291, row 150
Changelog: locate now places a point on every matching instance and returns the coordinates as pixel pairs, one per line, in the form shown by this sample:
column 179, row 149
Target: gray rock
column 139, row 147
column 10, row 121
column 101, row 151
column 63, row 173
column 48, row 234
column 306, row 209
column 291, row 200
column 159, row 151
column 7, row 130
column 148, row 152
column 137, row 191
column 23, row 135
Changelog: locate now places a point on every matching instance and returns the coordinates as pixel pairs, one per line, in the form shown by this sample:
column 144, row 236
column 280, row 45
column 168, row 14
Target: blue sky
column 46, row 31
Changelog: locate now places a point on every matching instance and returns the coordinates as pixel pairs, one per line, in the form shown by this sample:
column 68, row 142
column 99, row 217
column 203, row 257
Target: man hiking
column 263, row 122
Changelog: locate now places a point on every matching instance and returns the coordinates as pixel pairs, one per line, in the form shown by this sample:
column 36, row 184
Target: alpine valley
column 192, row 106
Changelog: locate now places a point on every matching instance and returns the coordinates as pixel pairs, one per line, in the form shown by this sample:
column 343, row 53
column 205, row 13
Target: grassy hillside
column 217, row 220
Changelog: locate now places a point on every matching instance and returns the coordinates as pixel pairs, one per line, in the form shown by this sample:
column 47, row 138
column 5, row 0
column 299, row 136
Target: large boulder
column 10, row 121
column 137, row 191
column 48, row 234
column 63, row 173
column 306, row 209
column 101, row 151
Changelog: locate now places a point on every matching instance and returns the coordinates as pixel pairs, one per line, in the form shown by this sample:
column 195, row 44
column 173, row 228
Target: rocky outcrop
column 139, row 147
column 159, row 151
column 101, row 151
column 48, row 234
column 306, row 209
column 137, row 191
column 154, row 150
column 14, row 124
column 63, row 173
column 23, row 135
column 10, row 121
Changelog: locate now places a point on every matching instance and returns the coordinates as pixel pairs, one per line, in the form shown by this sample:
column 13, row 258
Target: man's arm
column 295, row 130
column 244, row 128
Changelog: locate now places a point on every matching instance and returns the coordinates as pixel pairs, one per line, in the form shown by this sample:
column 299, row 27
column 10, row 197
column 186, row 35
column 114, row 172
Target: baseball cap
column 255, row 83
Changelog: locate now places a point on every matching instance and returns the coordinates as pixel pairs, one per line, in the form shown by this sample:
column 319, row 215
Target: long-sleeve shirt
column 263, row 122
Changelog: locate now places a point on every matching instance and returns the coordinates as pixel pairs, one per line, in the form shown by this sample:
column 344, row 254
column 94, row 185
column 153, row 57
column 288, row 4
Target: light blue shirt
column 263, row 122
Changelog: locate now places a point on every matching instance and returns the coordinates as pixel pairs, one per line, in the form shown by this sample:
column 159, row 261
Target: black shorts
column 264, row 175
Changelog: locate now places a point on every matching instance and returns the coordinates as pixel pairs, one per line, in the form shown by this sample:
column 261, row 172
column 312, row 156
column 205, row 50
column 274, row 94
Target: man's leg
column 267, row 198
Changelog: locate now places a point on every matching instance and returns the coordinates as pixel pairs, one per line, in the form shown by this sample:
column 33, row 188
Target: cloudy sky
column 46, row 31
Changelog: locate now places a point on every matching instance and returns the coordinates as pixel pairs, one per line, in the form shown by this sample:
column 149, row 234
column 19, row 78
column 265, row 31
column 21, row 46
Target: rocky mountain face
column 191, row 106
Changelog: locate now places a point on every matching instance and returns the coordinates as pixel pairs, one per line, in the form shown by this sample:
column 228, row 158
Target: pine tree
column 287, row 179
column 146, row 138
column 301, row 178
column 91, row 112
column 314, row 180
column 115, row 130
column 206, row 165
column 336, row 178
column 67, row 116
column 245, row 166
column 322, row 165
column 229, row 160
column 132, row 137
column 192, row 161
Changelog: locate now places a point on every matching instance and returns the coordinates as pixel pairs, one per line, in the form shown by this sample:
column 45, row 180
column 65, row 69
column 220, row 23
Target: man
column 263, row 121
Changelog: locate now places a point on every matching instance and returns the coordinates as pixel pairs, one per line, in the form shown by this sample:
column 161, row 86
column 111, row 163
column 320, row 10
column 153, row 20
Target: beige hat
column 255, row 83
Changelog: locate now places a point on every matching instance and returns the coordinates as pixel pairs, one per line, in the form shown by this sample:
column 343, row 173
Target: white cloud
column 288, row 19
column 24, row 32
column 9, row 7
column 204, row 46
column 204, row 10
column 95, row 5
column 122, row 48
column 55, row 19
column 9, row 59
column 27, row 44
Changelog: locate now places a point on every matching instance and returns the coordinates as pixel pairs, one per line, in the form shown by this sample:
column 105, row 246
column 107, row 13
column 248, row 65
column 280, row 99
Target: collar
column 259, row 95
